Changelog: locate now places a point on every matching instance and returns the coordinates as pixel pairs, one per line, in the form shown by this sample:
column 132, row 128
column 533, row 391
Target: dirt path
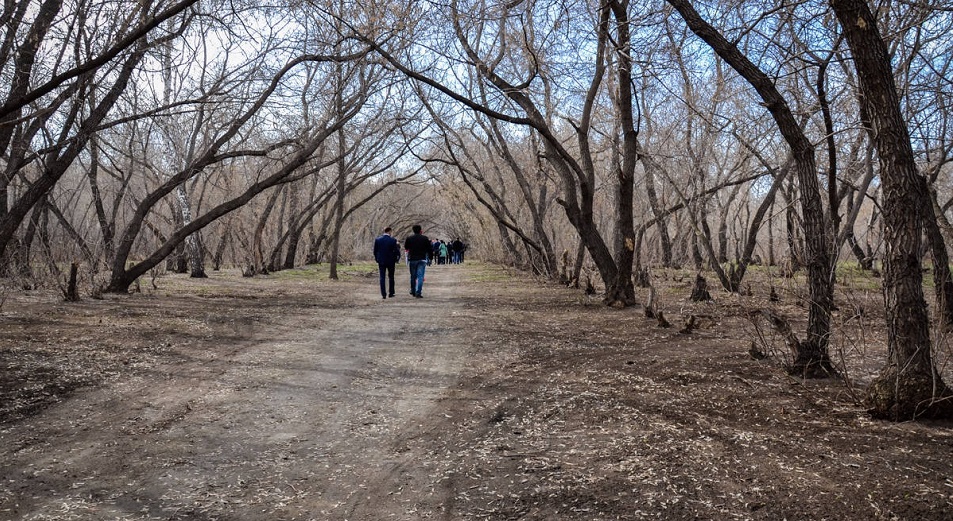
column 309, row 423
column 496, row 397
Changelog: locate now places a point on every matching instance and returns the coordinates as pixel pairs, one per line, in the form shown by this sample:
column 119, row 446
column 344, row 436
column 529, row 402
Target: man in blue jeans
column 418, row 247
column 386, row 253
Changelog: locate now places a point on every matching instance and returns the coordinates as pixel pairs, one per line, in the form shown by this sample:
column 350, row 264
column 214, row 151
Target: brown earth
column 494, row 397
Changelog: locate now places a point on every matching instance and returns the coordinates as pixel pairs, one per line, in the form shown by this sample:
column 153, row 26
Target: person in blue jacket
column 386, row 253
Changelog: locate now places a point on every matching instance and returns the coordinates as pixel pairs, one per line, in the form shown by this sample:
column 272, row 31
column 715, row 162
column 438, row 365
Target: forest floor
column 290, row 397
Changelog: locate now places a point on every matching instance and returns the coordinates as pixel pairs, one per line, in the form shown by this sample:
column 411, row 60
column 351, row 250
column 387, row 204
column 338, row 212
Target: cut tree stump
column 650, row 304
column 691, row 324
column 700, row 289
column 72, row 292
column 652, row 310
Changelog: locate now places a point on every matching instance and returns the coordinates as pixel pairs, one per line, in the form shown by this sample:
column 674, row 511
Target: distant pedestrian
column 418, row 249
column 443, row 253
column 386, row 253
column 434, row 253
column 457, row 247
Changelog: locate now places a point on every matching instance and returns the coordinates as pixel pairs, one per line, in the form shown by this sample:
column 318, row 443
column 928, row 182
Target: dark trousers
column 388, row 270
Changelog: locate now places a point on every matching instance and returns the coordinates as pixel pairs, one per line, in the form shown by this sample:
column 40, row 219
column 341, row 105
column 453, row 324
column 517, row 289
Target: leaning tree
column 812, row 357
column 909, row 386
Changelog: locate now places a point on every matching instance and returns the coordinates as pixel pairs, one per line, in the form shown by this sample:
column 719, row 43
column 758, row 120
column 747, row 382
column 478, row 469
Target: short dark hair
column 417, row 228
column 387, row 230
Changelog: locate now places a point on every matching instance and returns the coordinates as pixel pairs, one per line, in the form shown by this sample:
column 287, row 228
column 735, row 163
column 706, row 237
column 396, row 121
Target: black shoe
column 385, row 297
column 391, row 295
column 418, row 295
column 412, row 294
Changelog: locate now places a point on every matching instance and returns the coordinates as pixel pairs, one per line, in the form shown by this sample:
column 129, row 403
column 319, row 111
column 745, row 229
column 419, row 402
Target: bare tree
column 297, row 155
column 485, row 159
column 32, row 101
column 909, row 385
column 367, row 150
column 510, row 62
column 812, row 358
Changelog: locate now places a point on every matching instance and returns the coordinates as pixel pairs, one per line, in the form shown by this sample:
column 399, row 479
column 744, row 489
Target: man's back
column 417, row 246
column 386, row 250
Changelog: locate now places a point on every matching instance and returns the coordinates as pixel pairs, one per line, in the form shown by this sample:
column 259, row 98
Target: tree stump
column 72, row 292
column 700, row 290
column 564, row 277
column 652, row 310
column 590, row 289
column 642, row 278
column 691, row 324
column 650, row 304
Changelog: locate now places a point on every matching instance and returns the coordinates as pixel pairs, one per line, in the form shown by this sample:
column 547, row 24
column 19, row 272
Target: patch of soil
column 493, row 397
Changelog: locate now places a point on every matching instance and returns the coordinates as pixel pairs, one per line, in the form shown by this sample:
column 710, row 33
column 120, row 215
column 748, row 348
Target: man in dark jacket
column 418, row 248
column 386, row 253
column 457, row 247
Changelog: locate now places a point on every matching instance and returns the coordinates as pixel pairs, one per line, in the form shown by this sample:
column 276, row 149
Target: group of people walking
column 447, row 253
column 421, row 252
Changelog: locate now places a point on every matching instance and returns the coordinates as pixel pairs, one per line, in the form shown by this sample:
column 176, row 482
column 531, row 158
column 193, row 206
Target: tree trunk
column 697, row 259
column 510, row 251
column 723, row 237
column 813, row 358
column 945, row 228
column 292, row 252
column 846, row 233
column 258, row 255
column 293, row 236
column 72, row 291
column 178, row 262
column 866, row 263
column 107, row 227
column 539, row 247
column 21, row 253
column 342, row 172
column 194, row 251
column 664, row 238
column 315, row 241
column 909, row 386
column 942, row 278
column 744, row 260
column 219, row 254
column 791, row 230
column 621, row 291
column 577, row 266
column 336, row 237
